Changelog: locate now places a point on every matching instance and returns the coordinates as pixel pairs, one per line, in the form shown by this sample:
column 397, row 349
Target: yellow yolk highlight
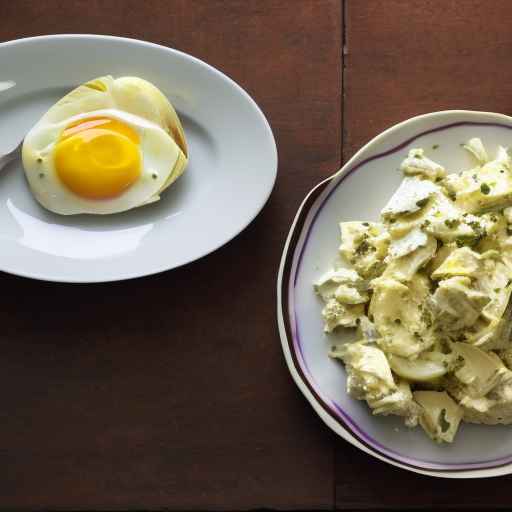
column 98, row 158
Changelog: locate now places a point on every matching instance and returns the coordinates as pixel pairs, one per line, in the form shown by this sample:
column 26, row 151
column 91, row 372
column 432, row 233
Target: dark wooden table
column 171, row 392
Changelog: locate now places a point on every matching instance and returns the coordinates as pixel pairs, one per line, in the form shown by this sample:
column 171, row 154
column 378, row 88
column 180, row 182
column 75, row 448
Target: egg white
column 159, row 155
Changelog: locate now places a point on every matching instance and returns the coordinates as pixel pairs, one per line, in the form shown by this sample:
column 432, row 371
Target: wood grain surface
column 402, row 59
column 172, row 391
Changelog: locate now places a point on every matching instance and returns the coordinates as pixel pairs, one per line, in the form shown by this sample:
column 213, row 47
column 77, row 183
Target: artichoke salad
column 426, row 290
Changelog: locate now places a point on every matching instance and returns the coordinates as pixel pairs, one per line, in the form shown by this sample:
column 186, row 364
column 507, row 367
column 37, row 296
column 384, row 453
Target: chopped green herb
column 484, row 188
column 366, row 224
column 392, row 221
column 452, row 195
column 475, row 177
column 39, row 160
column 497, row 290
column 426, row 318
column 41, row 174
column 422, row 202
column 470, row 240
column 452, row 223
column 502, row 171
column 435, row 146
column 438, row 179
column 494, row 218
column 363, row 248
column 398, row 321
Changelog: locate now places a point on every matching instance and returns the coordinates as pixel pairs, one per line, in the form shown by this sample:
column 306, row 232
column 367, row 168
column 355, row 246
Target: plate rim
column 45, row 276
column 315, row 198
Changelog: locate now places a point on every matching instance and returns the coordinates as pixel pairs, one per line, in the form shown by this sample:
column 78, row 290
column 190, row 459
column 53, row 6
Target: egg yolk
column 98, row 158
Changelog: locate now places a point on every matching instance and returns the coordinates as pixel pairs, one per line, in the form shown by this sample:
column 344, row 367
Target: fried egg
column 108, row 146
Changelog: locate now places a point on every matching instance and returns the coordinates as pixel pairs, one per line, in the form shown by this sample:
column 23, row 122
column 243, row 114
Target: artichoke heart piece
column 348, row 295
column 398, row 403
column 487, row 411
column 367, row 330
column 481, row 371
column 440, row 218
column 507, row 212
column 399, row 316
column 460, row 262
column 369, row 374
column 336, row 315
column 493, row 280
column 494, row 223
column 399, row 227
column 505, row 248
column 417, row 164
column 328, row 283
column 405, row 245
column 412, row 195
column 421, row 369
column 440, row 416
column 484, row 189
column 456, row 304
column 364, row 245
column 493, row 335
column 449, row 223
column 477, row 149
column 404, row 268
column 431, row 216
column 506, row 357
column 493, row 409
column 493, row 245
column 442, row 253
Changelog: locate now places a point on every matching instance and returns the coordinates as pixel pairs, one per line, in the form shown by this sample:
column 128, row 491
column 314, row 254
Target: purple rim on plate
column 299, row 238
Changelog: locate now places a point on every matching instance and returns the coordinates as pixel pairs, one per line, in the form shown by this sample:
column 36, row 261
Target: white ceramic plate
column 358, row 192
column 232, row 169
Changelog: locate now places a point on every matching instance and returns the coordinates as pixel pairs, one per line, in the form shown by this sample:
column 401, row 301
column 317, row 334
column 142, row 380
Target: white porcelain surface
column 232, row 169
column 358, row 192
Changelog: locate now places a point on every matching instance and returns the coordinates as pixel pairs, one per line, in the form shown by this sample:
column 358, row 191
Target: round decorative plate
column 231, row 172
column 358, row 192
